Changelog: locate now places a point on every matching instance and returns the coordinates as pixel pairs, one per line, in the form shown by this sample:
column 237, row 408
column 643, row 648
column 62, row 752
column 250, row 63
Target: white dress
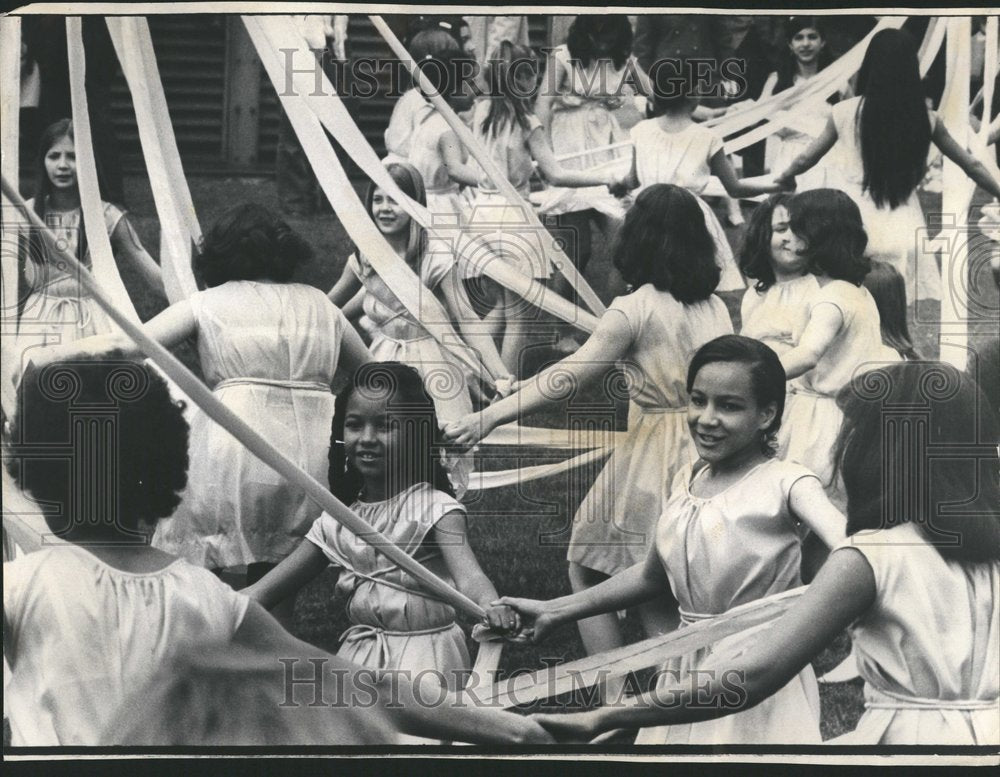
column 406, row 113
column 719, row 552
column 812, row 419
column 894, row 235
column 270, row 352
column 778, row 315
column 81, row 636
column 445, row 201
column 928, row 648
column 683, row 159
column 614, row 525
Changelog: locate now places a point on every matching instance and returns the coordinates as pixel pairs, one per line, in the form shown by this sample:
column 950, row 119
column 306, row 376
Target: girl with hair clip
column 395, row 334
column 727, row 535
column 665, row 252
column 908, row 573
column 271, row 350
column 383, row 464
column 503, row 121
column 884, row 135
column 53, row 299
column 888, row 290
column 90, row 622
column 806, row 56
column 842, row 331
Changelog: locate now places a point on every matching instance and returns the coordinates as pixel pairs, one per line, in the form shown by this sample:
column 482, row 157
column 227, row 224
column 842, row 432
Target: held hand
column 573, row 727
column 536, row 621
column 468, row 430
column 531, row 732
column 785, row 183
column 503, row 619
column 619, row 187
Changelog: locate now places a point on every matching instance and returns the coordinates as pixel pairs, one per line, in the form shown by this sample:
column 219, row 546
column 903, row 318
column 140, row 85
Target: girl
column 888, row 289
column 673, row 148
column 727, row 536
column 774, row 310
column 665, row 251
column 396, row 336
column 504, row 123
column 806, row 56
column 884, row 135
column 88, row 621
column 54, row 302
column 271, row 349
column 387, row 468
column 841, row 334
column 919, row 688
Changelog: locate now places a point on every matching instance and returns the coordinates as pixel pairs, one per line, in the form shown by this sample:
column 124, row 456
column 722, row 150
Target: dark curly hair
column 767, row 376
column 664, row 241
column 144, row 446
column 247, row 243
column 586, row 29
column 830, row 224
column 890, row 481
column 755, row 252
column 410, row 409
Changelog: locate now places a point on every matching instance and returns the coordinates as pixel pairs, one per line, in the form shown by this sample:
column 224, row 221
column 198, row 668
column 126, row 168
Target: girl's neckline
column 119, row 571
column 398, row 494
column 703, row 470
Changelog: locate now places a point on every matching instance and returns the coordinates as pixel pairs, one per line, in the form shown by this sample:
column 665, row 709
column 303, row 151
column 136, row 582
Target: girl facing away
column 888, row 289
column 919, row 688
column 90, row 620
column 384, row 464
column 727, row 535
column 883, row 136
column 665, row 252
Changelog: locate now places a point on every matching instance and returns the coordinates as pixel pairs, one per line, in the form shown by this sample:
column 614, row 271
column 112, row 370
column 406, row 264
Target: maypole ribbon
column 254, row 442
column 554, row 254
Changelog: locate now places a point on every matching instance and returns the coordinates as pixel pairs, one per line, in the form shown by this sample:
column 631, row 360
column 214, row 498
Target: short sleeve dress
column 722, row 551
column 81, row 636
column 928, row 648
column 445, row 201
column 614, row 525
column 406, row 114
column 893, row 233
column 270, row 352
column 683, row 158
column 811, row 421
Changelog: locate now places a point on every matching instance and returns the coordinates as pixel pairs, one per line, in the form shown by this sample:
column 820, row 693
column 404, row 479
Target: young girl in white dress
column 727, row 536
column 883, row 137
column 90, row 620
column 395, row 334
column 386, row 468
column 53, row 303
column 270, row 349
column 665, row 252
column 673, row 148
column 842, row 334
column 908, row 573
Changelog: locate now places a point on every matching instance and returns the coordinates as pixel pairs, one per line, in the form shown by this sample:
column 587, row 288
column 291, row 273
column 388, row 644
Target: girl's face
column 390, row 219
column 60, row 164
column 723, row 414
column 806, row 44
column 785, row 246
column 370, row 442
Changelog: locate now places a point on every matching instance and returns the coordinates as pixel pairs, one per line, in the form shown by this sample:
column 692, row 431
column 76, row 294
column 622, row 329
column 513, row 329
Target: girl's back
column 81, row 634
column 681, row 158
column 507, row 146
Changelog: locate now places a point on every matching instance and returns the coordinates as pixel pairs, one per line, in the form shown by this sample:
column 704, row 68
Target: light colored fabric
column 683, row 159
column 723, row 551
column 507, row 147
column 396, row 624
column 614, row 525
column 811, row 421
column 406, row 113
column 778, row 316
column 927, row 649
column 83, row 635
column 445, row 201
column 271, row 351
column 893, row 234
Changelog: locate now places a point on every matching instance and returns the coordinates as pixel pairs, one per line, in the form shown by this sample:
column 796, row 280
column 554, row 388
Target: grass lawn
column 519, row 534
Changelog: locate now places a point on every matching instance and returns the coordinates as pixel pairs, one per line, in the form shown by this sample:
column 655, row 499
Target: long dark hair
column 888, row 289
column 410, row 409
column 409, row 180
column 587, row 28
column 830, row 224
column 788, row 65
column 664, row 241
column 889, row 465
column 893, row 126
column 755, row 252
column 508, row 101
